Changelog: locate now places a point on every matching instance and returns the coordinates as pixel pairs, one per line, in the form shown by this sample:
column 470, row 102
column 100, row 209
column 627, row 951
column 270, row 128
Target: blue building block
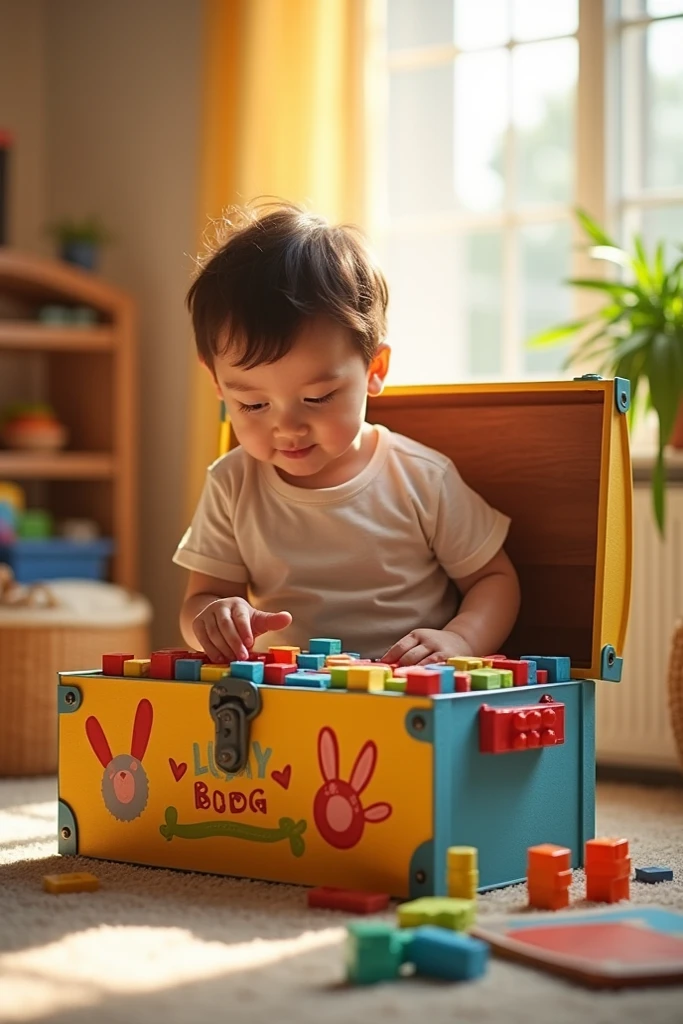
column 440, row 953
column 252, row 670
column 188, row 669
column 374, row 952
column 314, row 680
column 558, row 669
column 323, row 645
column 447, row 677
column 656, row 874
column 533, row 678
column 314, row 661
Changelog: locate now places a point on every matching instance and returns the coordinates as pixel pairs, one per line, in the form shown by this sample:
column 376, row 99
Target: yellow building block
column 79, row 882
column 463, row 884
column 461, row 858
column 136, row 667
column 212, row 673
column 365, row 678
column 444, row 912
column 465, row 664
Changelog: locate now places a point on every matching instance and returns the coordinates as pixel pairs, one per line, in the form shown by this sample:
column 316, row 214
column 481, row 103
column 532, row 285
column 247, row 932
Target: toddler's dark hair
column 279, row 266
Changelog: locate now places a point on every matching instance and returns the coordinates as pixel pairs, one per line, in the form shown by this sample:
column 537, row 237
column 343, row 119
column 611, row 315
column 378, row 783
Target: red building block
column 542, row 676
column 162, row 663
column 605, row 852
column 112, row 664
column 600, row 889
column 519, row 669
column 276, row 672
column 351, row 900
column 522, row 728
column 463, row 682
column 548, row 860
column 421, row 682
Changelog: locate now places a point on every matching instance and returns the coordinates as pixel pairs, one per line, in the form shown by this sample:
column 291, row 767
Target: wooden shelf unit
column 89, row 376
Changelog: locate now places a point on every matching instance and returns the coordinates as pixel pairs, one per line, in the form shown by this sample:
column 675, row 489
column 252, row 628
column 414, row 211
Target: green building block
column 398, row 685
column 487, row 679
column 374, row 952
column 338, row 677
column 444, row 912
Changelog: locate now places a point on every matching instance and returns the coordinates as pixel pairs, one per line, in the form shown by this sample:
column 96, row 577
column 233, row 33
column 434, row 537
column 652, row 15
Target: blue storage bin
column 57, row 558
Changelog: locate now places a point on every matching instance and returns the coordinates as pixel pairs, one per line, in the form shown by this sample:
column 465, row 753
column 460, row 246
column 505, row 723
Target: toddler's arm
column 486, row 615
column 217, row 616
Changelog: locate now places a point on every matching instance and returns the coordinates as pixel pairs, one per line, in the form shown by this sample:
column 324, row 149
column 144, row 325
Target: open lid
column 555, row 458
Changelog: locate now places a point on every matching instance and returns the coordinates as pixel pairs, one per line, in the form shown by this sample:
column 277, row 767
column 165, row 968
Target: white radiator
column 633, row 727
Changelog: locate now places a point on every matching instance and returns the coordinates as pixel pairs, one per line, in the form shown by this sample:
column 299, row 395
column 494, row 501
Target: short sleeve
column 209, row 545
column 468, row 531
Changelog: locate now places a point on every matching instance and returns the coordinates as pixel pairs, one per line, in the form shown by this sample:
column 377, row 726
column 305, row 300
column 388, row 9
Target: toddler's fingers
column 415, row 656
column 241, row 621
column 229, row 637
column 206, row 643
column 396, row 653
column 265, row 622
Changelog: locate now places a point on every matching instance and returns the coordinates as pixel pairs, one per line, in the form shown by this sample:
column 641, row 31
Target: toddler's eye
column 251, row 408
column 322, row 400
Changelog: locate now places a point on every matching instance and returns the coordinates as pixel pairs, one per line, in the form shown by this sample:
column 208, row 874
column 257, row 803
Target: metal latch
column 233, row 703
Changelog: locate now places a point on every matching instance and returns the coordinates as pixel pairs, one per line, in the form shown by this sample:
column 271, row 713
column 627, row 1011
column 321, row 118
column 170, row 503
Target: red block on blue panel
column 275, row 672
column 502, row 730
column 421, row 682
column 463, row 682
column 519, row 669
column 351, row 900
column 162, row 663
column 542, row 676
column 112, row 664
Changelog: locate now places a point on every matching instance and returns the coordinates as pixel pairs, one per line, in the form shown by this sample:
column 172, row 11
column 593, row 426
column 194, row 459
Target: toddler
column 319, row 523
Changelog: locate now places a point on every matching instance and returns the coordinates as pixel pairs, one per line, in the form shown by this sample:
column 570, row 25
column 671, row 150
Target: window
column 490, row 132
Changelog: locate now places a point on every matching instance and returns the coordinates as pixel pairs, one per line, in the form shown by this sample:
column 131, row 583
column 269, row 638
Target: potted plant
column 80, row 240
column 637, row 334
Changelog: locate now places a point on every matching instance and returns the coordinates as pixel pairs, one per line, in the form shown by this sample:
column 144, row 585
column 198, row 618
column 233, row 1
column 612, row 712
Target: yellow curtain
column 283, row 117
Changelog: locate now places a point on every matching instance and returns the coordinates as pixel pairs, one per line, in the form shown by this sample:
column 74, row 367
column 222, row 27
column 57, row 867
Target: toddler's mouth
column 296, row 453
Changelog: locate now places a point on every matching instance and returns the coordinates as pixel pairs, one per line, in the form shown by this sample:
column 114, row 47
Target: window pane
column 479, row 25
column 421, row 271
column 544, row 96
column 659, row 7
column 480, row 129
column 545, row 255
column 421, row 141
column 540, row 19
column 416, row 23
column 481, row 288
column 664, row 105
column 664, row 224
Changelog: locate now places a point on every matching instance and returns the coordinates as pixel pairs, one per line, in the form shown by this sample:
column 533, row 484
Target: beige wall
column 105, row 96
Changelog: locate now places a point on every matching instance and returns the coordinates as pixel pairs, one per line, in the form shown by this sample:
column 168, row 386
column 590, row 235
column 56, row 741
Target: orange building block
column 600, row 889
column 78, row 882
column 547, row 859
column 605, row 852
column 543, row 898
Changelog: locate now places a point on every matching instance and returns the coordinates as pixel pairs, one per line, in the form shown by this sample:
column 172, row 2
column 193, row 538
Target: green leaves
column 637, row 333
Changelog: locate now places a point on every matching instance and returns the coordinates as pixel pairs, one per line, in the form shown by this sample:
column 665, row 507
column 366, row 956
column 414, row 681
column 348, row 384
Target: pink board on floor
column 603, row 947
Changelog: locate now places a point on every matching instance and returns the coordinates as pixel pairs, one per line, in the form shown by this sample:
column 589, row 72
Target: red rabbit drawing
column 125, row 787
column 337, row 810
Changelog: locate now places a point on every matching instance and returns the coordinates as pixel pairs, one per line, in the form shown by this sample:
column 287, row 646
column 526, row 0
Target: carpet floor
column 162, row 947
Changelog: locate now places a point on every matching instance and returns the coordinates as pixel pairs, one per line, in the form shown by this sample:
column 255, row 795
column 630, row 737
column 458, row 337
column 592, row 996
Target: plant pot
column 82, row 254
column 676, row 439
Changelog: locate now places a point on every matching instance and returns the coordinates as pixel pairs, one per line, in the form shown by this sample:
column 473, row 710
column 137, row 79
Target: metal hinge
column 233, row 703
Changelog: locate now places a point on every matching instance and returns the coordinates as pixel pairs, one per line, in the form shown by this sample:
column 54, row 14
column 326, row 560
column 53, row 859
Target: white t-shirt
column 365, row 562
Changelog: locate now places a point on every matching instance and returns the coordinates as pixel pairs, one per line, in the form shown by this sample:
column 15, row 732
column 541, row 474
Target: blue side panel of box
column 504, row 803
column 57, row 558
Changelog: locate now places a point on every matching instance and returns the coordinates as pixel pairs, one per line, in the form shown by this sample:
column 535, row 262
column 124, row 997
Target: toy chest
column 368, row 790
column 57, row 558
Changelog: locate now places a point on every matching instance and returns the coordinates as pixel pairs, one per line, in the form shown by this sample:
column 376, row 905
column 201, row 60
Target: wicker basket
column 38, row 642
column 676, row 688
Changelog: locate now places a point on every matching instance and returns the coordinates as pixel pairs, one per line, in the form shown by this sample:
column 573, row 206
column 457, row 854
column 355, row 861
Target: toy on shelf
column 32, row 427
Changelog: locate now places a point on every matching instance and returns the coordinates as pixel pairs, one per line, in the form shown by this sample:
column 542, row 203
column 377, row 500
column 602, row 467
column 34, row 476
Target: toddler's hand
column 425, row 646
column 226, row 628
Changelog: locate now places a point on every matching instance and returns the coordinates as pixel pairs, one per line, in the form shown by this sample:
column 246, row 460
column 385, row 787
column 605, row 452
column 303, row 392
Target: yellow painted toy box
column 367, row 790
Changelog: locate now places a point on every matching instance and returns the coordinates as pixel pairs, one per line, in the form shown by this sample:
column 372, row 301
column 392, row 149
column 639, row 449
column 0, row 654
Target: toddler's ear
column 379, row 367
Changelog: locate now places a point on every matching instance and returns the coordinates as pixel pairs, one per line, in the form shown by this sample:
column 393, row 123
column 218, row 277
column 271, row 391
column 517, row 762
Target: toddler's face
column 305, row 412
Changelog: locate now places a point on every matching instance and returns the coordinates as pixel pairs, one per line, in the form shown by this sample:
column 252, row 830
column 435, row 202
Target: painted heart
column 282, row 778
column 177, row 769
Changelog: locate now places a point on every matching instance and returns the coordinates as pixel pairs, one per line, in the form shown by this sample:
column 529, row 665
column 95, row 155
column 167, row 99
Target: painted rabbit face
column 337, row 809
column 125, row 787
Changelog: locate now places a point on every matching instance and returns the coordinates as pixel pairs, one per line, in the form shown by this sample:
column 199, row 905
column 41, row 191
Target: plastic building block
column 365, row 677
column 313, row 661
column 461, row 858
column 212, row 673
column 352, row 900
column 547, row 859
column 608, row 870
column 462, row 876
column 465, row 664
column 502, row 730
column 445, row 912
column 136, row 667
column 252, row 670
column 558, row 669
column 284, row 655
column 541, row 676
column 463, row 682
column 447, row 674
column 654, row 874
column 323, row 645
column 544, row 897
column 438, row 953
column 188, row 669
column 602, row 889
column 549, row 876
column 486, row 679
column 79, row 882
column 338, row 676
column 112, row 664
column 519, row 670
column 398, row 685
column 163, row 662
column 313, row 680
column 275, row 672
column 420, row 682
column 374, row 952
column 605, row 852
